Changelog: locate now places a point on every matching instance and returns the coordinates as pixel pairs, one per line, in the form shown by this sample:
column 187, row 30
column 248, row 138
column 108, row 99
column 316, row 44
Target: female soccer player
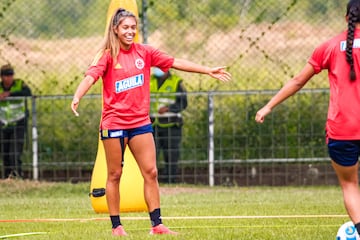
column 341, row 57
column 125, row 69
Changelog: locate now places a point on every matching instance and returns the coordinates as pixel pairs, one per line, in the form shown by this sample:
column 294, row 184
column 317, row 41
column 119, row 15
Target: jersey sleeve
column 160, row 59
column 320, row 57
column 99, row 65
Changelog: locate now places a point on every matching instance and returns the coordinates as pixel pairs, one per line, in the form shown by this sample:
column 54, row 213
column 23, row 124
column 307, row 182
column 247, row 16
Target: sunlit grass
column 29, row 200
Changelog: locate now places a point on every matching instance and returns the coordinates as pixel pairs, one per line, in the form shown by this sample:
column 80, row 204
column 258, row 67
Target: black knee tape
column 122, row 143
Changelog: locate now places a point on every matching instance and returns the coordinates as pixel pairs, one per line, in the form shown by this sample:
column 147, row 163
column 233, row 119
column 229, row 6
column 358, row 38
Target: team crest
column 139, row 63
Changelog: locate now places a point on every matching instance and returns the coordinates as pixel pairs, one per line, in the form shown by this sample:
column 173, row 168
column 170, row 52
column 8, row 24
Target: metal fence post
column 211, row 152
column 34, row 140
column 144, row 20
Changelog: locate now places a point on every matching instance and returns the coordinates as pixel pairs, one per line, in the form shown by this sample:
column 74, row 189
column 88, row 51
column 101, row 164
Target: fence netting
column 288, row 149
column 262, row 43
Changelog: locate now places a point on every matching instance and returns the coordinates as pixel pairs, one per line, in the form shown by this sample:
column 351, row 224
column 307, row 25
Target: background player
column 341, row 57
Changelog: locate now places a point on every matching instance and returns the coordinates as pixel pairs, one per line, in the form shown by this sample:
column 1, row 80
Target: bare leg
column 143, row 148
column 349, row 182
column 114, row 170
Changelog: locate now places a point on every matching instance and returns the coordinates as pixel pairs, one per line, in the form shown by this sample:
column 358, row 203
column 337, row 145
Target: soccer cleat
column 161, row 229
column 119, row 231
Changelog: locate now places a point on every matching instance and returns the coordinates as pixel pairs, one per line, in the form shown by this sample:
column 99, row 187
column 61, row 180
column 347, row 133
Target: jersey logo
column 129, row 83
column 355, row 45
column 139, row 63
column 118, row 66
column 116, row 134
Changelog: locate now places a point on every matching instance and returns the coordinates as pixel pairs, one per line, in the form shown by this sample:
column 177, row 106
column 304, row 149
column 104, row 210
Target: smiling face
column 126, row 32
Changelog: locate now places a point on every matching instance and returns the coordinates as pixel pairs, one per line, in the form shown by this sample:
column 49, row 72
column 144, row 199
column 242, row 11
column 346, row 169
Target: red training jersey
column 126, row 84
column 343, row 121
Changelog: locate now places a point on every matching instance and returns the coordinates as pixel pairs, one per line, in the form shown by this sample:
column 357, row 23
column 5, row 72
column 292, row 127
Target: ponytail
column 353, row 11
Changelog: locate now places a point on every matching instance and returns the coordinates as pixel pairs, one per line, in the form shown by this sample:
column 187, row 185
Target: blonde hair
column 111, row 41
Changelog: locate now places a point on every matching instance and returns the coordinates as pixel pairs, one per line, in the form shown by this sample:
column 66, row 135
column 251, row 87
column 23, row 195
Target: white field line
column 21, row 235
column 169, row 218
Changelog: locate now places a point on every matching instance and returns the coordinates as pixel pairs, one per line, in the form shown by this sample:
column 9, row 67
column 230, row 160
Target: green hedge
column 295, row 129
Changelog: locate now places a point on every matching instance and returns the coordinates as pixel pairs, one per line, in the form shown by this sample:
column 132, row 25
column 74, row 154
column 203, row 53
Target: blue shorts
column 128, row 133
column 344, row 152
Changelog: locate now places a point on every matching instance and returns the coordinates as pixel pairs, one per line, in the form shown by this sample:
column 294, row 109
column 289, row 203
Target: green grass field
column 194, row 211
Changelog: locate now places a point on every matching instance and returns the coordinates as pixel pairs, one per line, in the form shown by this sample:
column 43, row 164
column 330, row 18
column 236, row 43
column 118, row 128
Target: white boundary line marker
column 21, row 234
column 169, row 218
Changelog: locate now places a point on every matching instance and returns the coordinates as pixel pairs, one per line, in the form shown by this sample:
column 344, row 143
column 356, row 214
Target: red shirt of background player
column 126, row 85
column 340, row 56
column 344, row 94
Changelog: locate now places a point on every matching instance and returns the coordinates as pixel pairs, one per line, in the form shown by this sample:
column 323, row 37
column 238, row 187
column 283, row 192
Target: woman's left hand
column 220, row 73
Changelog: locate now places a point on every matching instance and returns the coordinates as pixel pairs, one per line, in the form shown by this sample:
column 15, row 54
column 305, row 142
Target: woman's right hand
column 261, row 114
column 81, row 90
column 74, row 105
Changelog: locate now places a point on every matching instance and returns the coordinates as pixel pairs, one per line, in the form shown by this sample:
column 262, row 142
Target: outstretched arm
column 82, row 89
column 290, row 88
column 216, row 72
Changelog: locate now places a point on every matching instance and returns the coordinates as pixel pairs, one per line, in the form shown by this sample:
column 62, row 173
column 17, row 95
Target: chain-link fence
column 220, row 142
column 264, row 43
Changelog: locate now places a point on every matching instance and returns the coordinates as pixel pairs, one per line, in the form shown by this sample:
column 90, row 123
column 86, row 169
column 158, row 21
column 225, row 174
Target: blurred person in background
column 340, row 56
column 13, row 117
column 165, row 113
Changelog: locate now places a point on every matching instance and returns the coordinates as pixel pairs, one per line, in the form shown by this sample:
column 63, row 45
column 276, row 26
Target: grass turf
column 31, row 200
